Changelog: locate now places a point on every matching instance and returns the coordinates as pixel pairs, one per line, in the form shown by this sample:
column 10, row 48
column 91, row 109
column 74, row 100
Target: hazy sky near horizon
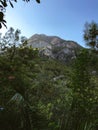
column 63, row 18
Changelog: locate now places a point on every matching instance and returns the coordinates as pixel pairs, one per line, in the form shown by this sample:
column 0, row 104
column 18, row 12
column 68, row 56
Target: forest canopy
column 43, row 93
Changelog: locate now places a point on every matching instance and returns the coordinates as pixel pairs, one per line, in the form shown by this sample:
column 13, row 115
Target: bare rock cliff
column 54, row 47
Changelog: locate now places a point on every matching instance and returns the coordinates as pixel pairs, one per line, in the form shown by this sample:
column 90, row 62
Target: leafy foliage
column 42, row 93
column 91, row 35
column 82, row 114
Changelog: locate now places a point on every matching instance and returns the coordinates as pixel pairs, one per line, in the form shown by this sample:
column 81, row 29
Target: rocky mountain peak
column 54, row 47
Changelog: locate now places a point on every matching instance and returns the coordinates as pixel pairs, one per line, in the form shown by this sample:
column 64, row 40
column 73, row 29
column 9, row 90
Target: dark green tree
column 15, row 82
column 91, row 35
column 82, row 113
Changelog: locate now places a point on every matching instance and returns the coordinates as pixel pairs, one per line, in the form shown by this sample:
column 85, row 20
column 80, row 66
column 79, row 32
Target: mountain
column 54, row 47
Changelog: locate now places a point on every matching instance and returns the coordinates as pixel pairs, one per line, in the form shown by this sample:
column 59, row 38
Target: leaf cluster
column 91, row 35
column 42, row 93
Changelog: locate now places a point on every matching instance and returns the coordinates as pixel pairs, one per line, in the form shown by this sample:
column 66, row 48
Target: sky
column 63, row 18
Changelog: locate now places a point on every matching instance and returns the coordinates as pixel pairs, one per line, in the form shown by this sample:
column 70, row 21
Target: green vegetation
column 38, row 93
column 91, row 35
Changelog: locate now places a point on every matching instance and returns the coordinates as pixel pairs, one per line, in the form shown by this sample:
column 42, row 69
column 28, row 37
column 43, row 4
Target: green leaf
column 0, row 25
column 1, row 16
column 38, row 1
column 11, row 4
column 5, row 3
column 4, row 24
column 4, row 21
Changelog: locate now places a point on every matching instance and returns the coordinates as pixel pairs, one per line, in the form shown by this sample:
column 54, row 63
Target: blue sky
column 63, row 18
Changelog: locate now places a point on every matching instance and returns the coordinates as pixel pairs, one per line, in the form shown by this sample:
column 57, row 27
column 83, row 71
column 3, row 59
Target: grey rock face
column 54, row 47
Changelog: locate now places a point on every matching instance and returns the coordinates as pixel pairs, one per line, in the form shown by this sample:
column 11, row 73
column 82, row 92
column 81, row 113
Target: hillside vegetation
column 43, row 93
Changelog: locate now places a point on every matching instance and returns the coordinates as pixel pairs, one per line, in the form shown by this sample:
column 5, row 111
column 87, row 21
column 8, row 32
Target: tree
column 91, row 35
column 82, row 113
column 12, row 38
column 10, row 41
column 3, row 5
column 15, row 82
column 31, row 88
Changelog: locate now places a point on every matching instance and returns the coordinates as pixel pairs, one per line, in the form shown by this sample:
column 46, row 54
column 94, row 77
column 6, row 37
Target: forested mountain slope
column 39, row 92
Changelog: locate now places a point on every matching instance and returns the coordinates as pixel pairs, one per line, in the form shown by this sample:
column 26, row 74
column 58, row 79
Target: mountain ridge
column 54, row 46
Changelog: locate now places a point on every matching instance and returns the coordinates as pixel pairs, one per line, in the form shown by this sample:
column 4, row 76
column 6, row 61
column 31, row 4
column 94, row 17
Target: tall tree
column 82, row 114
column 91, row 35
